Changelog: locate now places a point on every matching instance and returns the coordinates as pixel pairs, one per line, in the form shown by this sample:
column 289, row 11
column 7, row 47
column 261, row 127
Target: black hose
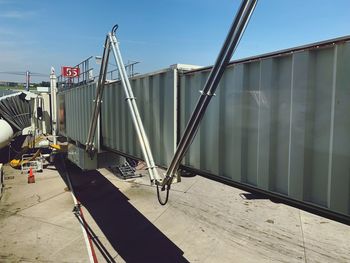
column 166, row 197
column 114, row 29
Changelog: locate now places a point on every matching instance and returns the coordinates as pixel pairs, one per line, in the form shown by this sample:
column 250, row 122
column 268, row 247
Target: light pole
column 53, row 84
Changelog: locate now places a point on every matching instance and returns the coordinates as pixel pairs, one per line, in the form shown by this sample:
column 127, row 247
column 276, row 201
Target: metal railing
column 129, row 68
column 85, row 76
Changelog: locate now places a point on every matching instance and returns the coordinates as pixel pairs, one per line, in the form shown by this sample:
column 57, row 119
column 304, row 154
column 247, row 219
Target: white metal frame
column 112, row 44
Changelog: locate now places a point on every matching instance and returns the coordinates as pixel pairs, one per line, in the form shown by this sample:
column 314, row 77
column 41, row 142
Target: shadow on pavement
column 130, row 233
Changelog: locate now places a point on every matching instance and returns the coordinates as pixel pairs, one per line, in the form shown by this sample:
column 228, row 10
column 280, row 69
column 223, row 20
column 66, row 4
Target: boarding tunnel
column 23, row 113
column 278, row 123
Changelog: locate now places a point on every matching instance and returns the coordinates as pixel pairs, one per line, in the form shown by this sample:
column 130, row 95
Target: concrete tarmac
column 204, row 221
column 36, row 220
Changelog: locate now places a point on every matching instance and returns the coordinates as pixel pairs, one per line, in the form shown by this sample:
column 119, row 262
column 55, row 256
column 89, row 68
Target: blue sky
column 35, row 34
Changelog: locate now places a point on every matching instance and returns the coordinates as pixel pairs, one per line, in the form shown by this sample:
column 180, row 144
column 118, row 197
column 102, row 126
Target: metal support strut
column 98, row 98
column 112, row 44
column 236, row 31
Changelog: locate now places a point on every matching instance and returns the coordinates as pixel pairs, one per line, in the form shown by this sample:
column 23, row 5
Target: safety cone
column 31, row 178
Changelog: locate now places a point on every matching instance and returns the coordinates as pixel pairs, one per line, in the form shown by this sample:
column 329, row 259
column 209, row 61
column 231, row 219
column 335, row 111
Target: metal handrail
column 83, row 77
column 128, row 67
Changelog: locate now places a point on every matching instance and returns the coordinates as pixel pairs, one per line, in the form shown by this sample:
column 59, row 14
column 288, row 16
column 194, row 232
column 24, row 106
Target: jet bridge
column 22, row 113
column 112, row 46
column 277, row 123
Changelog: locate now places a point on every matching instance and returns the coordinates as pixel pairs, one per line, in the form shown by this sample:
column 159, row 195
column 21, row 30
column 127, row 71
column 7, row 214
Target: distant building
column 10, row 84
column 4, row 83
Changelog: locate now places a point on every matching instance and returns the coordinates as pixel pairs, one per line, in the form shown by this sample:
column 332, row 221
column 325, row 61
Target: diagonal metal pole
column 98, row 99
column 237, row 28
column 131, row 101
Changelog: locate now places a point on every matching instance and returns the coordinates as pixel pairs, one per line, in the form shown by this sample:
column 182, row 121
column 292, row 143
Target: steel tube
column 53, row 85
column 230, row 44
column 144, row 143
column 98, row 99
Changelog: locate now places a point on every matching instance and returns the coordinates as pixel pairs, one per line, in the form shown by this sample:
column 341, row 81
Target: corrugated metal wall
column 155, row 99
column 280, row 124
column 154, row 94
column 74, row 112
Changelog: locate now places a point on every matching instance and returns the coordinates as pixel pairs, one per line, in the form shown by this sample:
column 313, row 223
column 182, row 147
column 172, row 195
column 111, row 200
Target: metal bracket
column 207, row 94
column 151, row 167
column 76, row 209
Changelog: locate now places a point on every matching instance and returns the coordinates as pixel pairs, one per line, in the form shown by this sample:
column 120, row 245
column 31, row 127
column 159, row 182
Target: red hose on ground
column 89, row 237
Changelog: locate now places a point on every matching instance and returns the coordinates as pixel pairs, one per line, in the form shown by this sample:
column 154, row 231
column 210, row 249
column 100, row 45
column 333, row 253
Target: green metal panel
column 154, row 94
column 77, row 106
column 279, row 123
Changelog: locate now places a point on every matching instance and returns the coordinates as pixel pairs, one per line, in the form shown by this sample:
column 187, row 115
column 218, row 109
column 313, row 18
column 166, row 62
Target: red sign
column 70, row 72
